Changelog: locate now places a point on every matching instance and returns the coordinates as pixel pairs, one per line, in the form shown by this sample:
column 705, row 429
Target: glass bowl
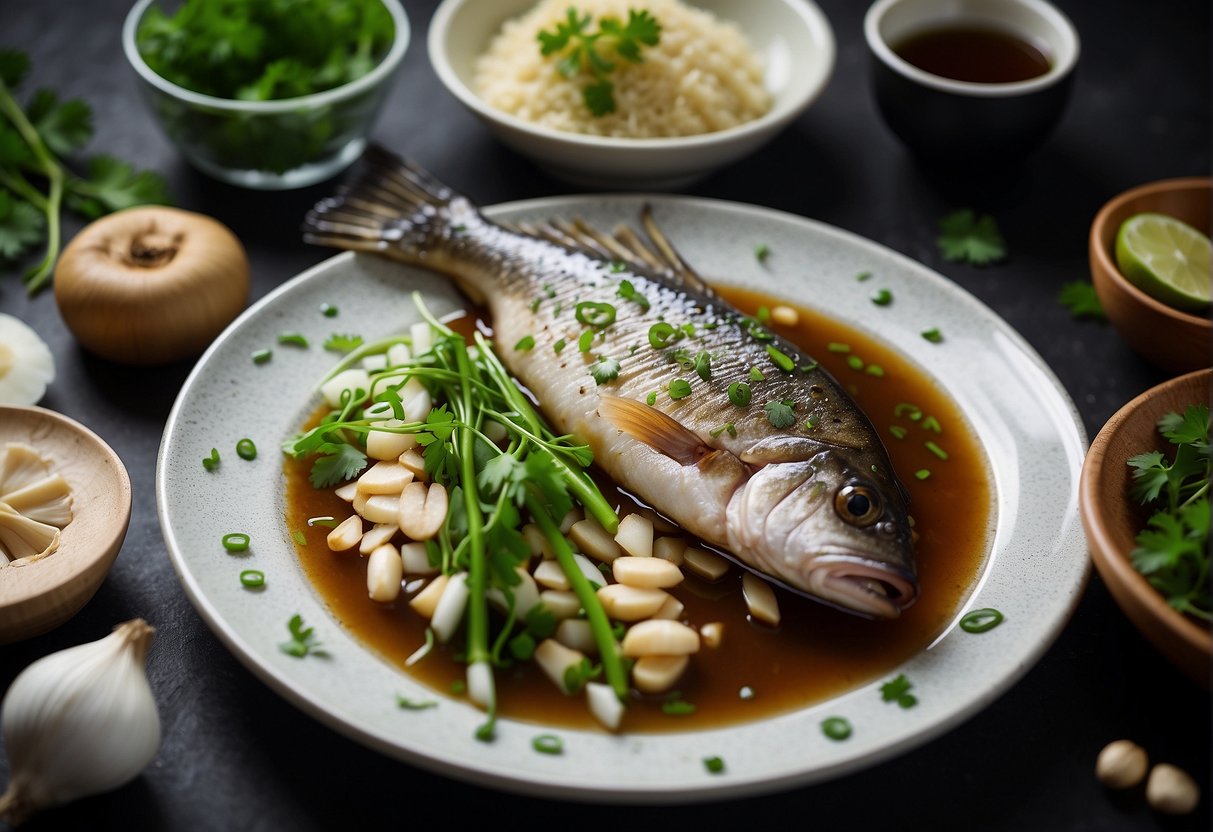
column 269, row 145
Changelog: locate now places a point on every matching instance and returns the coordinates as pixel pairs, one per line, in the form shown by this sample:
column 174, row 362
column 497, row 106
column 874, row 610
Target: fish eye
column 857, row 505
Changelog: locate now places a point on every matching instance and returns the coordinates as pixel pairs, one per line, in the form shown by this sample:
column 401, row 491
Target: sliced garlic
column 35, row 504
column 26, row 363
column 24, row 541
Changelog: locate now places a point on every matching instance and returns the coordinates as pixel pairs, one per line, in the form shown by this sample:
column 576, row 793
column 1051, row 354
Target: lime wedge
column 1167, row 259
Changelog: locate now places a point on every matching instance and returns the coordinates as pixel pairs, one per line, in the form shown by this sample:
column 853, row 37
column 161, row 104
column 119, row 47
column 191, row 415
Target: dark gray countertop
column 237, row 756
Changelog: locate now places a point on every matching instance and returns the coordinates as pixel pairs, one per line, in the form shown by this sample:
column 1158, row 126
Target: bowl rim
column 381, row 71
column 808, row 11
column 1101, row 256
column 1058, row 70
column 94, row 565
column 1103, row 551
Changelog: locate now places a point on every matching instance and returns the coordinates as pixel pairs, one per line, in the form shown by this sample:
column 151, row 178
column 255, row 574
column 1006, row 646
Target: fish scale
column 814, row 505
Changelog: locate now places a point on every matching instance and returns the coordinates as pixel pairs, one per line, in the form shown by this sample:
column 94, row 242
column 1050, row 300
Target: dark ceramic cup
column 945, row 121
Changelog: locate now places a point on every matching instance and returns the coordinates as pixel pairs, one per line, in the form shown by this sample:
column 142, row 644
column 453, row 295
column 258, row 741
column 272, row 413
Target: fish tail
column 393, row 207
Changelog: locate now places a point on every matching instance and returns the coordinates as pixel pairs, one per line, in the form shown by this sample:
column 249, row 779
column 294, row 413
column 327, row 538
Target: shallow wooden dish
column 1175, row 341
column 1112, row 520
column 40, row 596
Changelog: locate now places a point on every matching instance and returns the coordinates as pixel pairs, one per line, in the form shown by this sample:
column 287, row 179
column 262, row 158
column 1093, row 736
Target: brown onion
column 150, row 284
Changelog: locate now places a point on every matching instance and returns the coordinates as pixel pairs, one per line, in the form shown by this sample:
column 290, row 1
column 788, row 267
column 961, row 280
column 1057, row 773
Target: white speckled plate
column 1035, row 575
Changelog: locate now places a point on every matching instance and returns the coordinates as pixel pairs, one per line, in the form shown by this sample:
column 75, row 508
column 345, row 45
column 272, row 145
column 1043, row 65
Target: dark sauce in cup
column 974, row 54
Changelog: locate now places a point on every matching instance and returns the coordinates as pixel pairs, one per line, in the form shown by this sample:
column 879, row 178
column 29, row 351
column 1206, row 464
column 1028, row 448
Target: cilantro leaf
column 898, row 690
column 112, row 185
column 604, row 369
column 338, row 463
column 303, row 641
column 1191, row 428
column 966, row 237
column 578, row 51
column 781, row 414
column 338, row 342
column 65, row 127
column 13, row 149
column 21, row 226
column 1079, row 297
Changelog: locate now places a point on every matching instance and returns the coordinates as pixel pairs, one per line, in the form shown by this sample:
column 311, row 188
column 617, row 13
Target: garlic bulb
column 26, row 363
column 79, row 722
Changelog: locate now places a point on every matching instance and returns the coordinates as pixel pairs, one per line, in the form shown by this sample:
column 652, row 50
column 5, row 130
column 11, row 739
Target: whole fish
column 717, row 423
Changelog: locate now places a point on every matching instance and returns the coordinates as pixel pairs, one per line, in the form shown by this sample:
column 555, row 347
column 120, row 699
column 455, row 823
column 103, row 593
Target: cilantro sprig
column 966, row 237
column 36, row 186
column 1172, row 549
column 581, row 52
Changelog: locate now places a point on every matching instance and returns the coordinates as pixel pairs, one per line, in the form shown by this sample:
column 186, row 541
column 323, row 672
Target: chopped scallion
column 679, row 388
column 252, row 579
column 293, row 339
column 246, row 449
column 836, row 728
column 526, row 342
column 211, row 462
column 548, row 744
column 236, row 542
column 935, row 449
column 262, row 356
column 740, row 393
column 980, row 621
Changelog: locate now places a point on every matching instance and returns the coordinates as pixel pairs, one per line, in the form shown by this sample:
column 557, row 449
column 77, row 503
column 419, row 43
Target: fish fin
column 649, row 425
column 624, row 245
column 776, row 449
column 669, row 255
column 393, row 207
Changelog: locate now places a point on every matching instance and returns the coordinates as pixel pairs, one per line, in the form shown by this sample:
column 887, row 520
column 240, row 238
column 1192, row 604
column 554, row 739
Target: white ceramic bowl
column 793, row 37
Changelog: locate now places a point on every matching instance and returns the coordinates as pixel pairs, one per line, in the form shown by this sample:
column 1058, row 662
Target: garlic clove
column 26, row 363
column 23, row 540
column 48, row 500
column 21, row 465
column 79, row 722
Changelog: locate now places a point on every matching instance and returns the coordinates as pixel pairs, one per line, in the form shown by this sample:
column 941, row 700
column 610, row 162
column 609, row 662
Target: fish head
column 830, row 528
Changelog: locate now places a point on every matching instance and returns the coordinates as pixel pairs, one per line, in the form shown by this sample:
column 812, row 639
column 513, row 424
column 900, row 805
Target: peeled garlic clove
column 21, row 466
column 49, row 500
column 79, row 722
column 24, row 540
column 26, row 363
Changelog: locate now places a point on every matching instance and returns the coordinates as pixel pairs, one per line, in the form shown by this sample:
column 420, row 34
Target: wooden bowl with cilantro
column 1144, row 499
column 266, row 94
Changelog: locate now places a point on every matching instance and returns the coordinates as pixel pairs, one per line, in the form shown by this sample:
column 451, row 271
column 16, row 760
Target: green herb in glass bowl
column 266, row 93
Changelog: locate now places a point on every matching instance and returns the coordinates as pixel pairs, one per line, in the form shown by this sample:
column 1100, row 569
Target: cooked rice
column 701, row 77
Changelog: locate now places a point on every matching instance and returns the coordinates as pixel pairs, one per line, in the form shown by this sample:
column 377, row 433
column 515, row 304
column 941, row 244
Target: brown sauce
column 973, row 54
column 816, row 653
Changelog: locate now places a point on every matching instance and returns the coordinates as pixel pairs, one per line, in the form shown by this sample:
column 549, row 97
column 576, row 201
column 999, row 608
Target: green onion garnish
column 328, row 310
column 836, row 728
column 898, row 431
column 246, row 449
column 662, row 334
column 294, row 339
column 854, row 362
column 596, row 315
column 834, row 346
column 651, row 398
column 979, row 621
column 933, row 335
column 586, row 340
column 756, row 374
column 677, row 707
column 875, row 370
column 679, row 388
column 236, row 542
column 558, row 347
column 526, row 342
column 781, row 360
column 548, row 744
column 935, row 449
column 862, row 276
column 922, row 473
column 262, row 356
column 740, row 393
column 714, row 765
column 252, row 579
column 882, row 298
column 761, row 252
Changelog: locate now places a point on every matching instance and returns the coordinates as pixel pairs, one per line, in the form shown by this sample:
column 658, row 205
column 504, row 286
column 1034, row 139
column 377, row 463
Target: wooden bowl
column 1112, row 520
column 1172, row 340
column 39, row 596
